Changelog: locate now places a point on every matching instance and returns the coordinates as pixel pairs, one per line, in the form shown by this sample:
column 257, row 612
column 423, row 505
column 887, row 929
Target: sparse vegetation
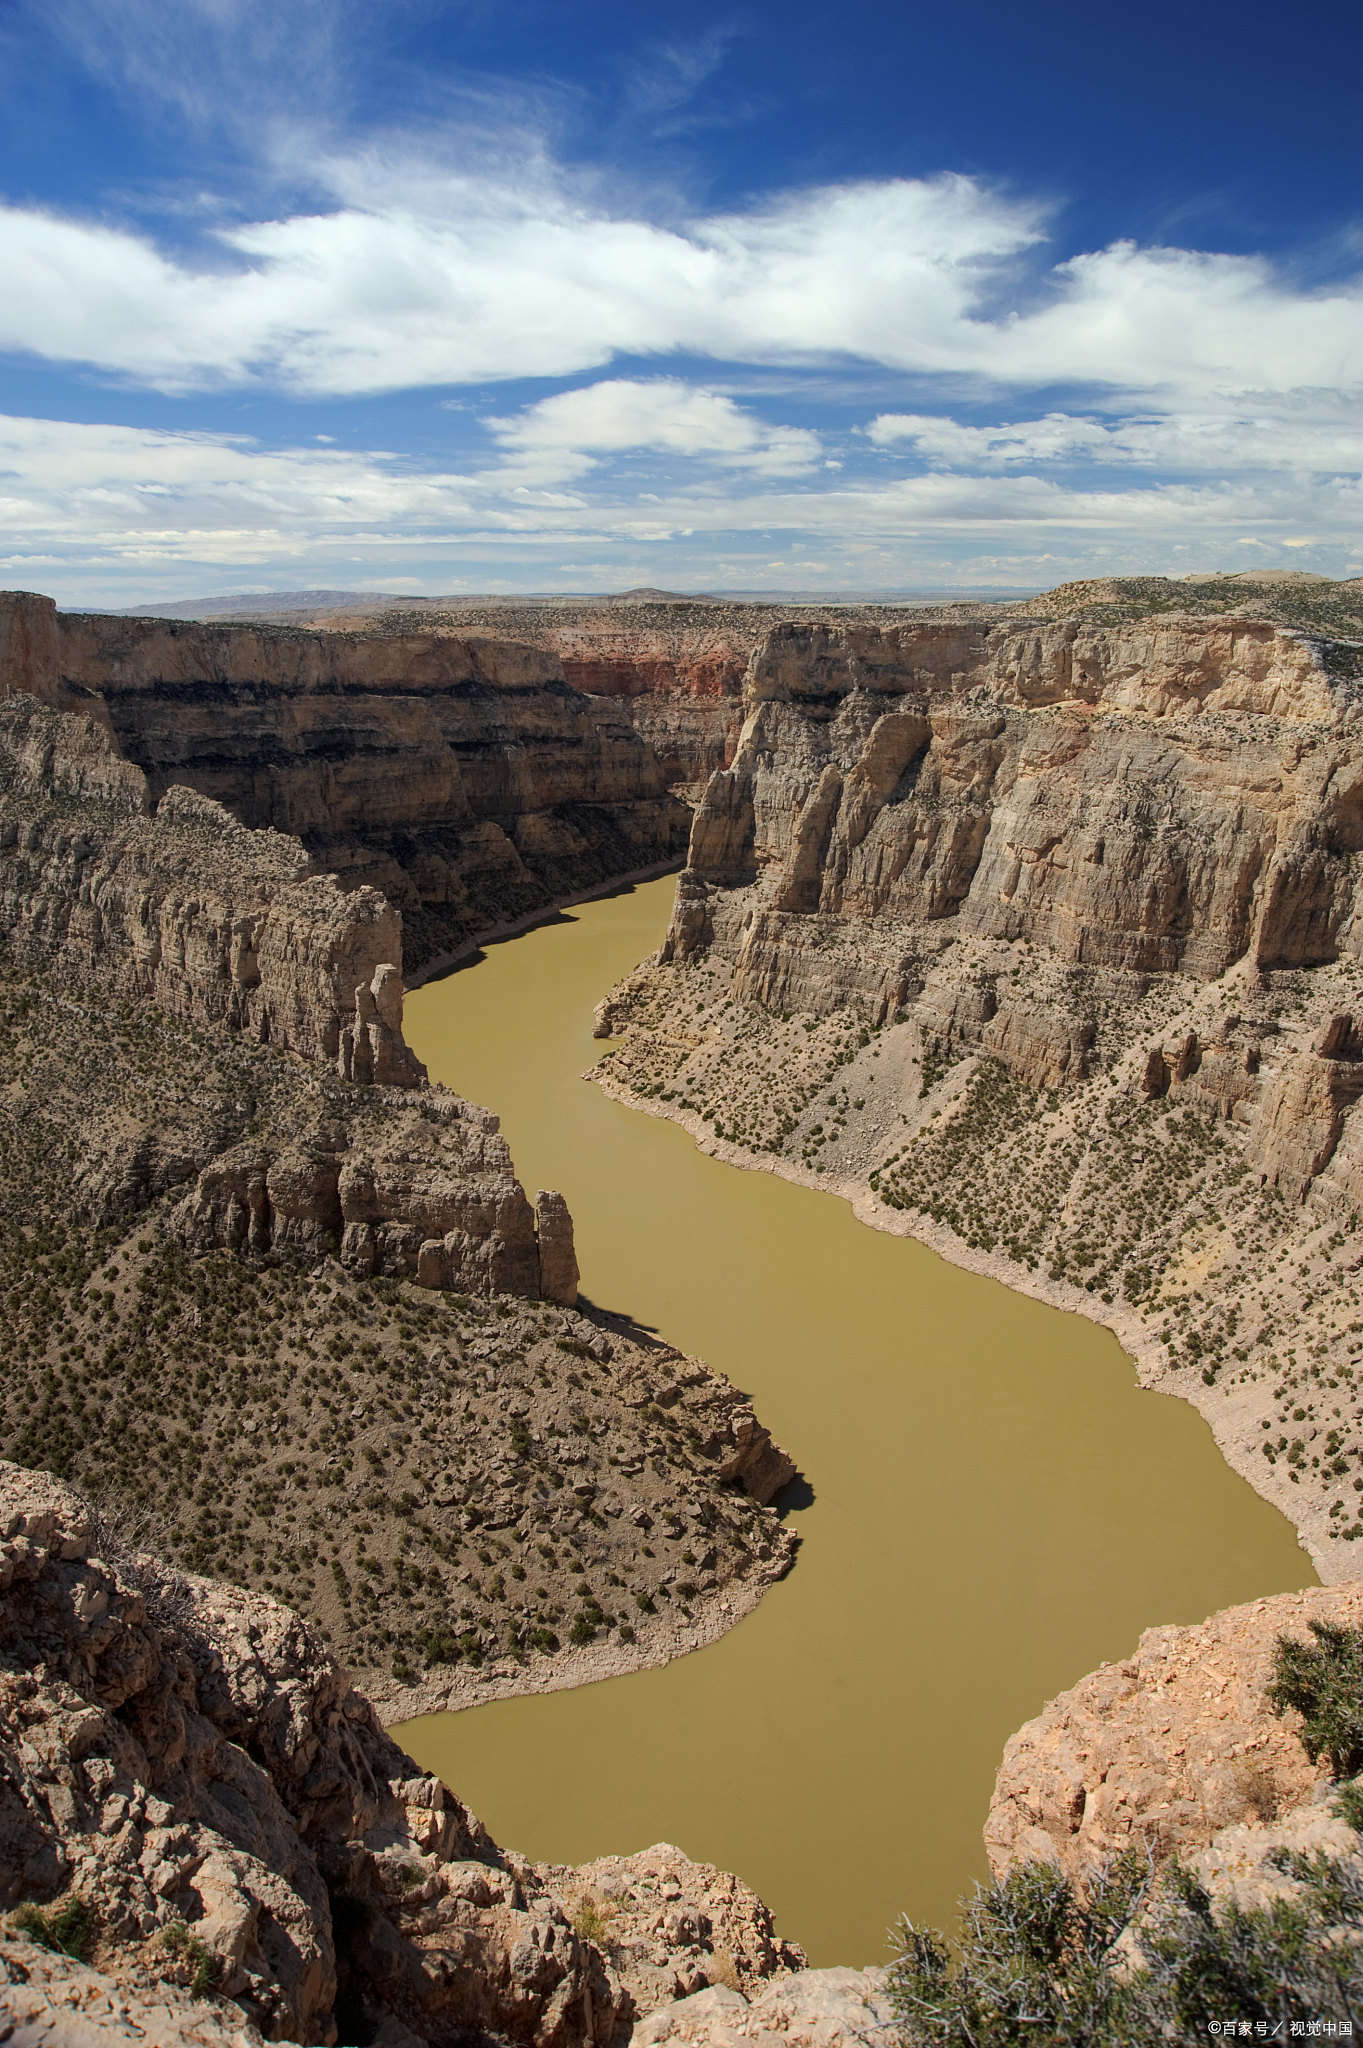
column 1038, row 1960
column 69, row 1927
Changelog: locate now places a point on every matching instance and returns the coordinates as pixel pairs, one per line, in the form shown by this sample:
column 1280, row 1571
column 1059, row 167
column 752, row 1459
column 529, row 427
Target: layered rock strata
column 175, row 903
column 185, row 1760
column 221, row 927
column 1042, row 942
column 465, row 778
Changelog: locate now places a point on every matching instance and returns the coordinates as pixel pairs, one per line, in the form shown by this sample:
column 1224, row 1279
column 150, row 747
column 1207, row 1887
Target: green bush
column 1036, row 1960
column 68, row 1928
column 205, row 1967
column 1323, row 1681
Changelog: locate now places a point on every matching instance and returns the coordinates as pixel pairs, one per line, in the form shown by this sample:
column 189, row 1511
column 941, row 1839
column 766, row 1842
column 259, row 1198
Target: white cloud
column 417, row 277
column 1324, row 438
column 660, row 413
column 113, row 514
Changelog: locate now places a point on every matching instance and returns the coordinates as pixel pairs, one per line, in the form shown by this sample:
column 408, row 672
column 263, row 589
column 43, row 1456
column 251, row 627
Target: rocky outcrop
column 837, row 2008
column 1167, row 1748
column 49, row 2000
column 220, row 927
column 185, row 1759
column 464, row 778
column 181, row 906
column 429, row 1195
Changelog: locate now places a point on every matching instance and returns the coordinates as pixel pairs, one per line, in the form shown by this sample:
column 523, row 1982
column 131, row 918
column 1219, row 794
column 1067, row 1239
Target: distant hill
column 283, row 606
column 257, row 603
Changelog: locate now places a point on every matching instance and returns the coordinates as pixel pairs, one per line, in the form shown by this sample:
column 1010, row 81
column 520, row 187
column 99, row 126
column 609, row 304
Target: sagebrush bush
column 1323, row 1681
column 1039, row 1959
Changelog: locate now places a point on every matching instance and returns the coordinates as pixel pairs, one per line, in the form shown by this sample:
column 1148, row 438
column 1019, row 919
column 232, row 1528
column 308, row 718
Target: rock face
column 464, row 778
column 837, row 2008
column 180, row 1754
column 49, row 2000
column 1041, row 939
column 434, row 1199
column 1168, row 1748
column 181, row 906
column 1043, row 788
column 217, row 926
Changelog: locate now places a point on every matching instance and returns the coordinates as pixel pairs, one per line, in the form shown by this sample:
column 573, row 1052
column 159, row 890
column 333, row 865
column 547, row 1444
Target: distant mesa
column 254, row 603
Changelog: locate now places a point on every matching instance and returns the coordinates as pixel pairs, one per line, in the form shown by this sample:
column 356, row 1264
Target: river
column 997, row 1507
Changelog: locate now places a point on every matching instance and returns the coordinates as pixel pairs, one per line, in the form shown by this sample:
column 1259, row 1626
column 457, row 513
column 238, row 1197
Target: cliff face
column 464, row 778
column 180, row 1754
column 1169, row 798
column 1066, row 918
column 178, row 903
column 224, row 928
column 1052, row 790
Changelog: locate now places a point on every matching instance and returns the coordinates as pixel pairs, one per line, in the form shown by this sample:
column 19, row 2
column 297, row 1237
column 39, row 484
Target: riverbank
column 989, row 1509
column 1236, row 1270
column 657, row 1641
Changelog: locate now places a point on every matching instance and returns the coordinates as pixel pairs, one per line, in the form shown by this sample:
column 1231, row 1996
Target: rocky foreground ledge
column 191, row 1788
column 254, row 1858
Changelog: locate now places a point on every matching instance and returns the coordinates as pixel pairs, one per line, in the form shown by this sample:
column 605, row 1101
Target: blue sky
column 512, row 296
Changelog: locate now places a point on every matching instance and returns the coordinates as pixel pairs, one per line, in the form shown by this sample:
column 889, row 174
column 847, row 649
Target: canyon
column 1040, row 939
column 239, row 1852
column 462, row 777
column 215, row 1145
column 1035, row 936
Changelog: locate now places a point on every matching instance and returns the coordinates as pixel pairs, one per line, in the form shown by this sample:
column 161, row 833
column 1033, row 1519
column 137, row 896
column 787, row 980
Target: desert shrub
column 1032, row 1962
column 68, row 1928
column 204, row 1967
column 1039, row 1962
column 1323, row 1681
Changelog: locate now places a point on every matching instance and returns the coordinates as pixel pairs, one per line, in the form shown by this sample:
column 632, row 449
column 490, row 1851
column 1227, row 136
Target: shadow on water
column 988, row 1505
column 794, row 1498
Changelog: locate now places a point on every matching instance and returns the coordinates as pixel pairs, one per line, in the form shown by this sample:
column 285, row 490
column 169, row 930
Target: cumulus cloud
column 417, row 276
column 661, row 413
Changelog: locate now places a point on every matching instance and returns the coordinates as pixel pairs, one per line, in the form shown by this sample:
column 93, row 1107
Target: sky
column 460, row 296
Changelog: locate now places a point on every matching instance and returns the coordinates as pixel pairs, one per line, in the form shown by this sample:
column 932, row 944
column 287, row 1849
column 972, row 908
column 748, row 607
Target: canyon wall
column 177, row 1752
column 674, row 667
column 465, row 778
column 176, row 905
column 1167, row 798
column 1041, row 941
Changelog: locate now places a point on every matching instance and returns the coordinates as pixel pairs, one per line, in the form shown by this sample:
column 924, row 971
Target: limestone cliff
column 220, row 927
column 179, row 904
column 186, row 1760
column 1066, row 916
column 465, row 778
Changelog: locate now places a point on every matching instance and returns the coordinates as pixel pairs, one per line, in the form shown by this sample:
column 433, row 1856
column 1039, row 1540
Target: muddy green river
column 997, row 1508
